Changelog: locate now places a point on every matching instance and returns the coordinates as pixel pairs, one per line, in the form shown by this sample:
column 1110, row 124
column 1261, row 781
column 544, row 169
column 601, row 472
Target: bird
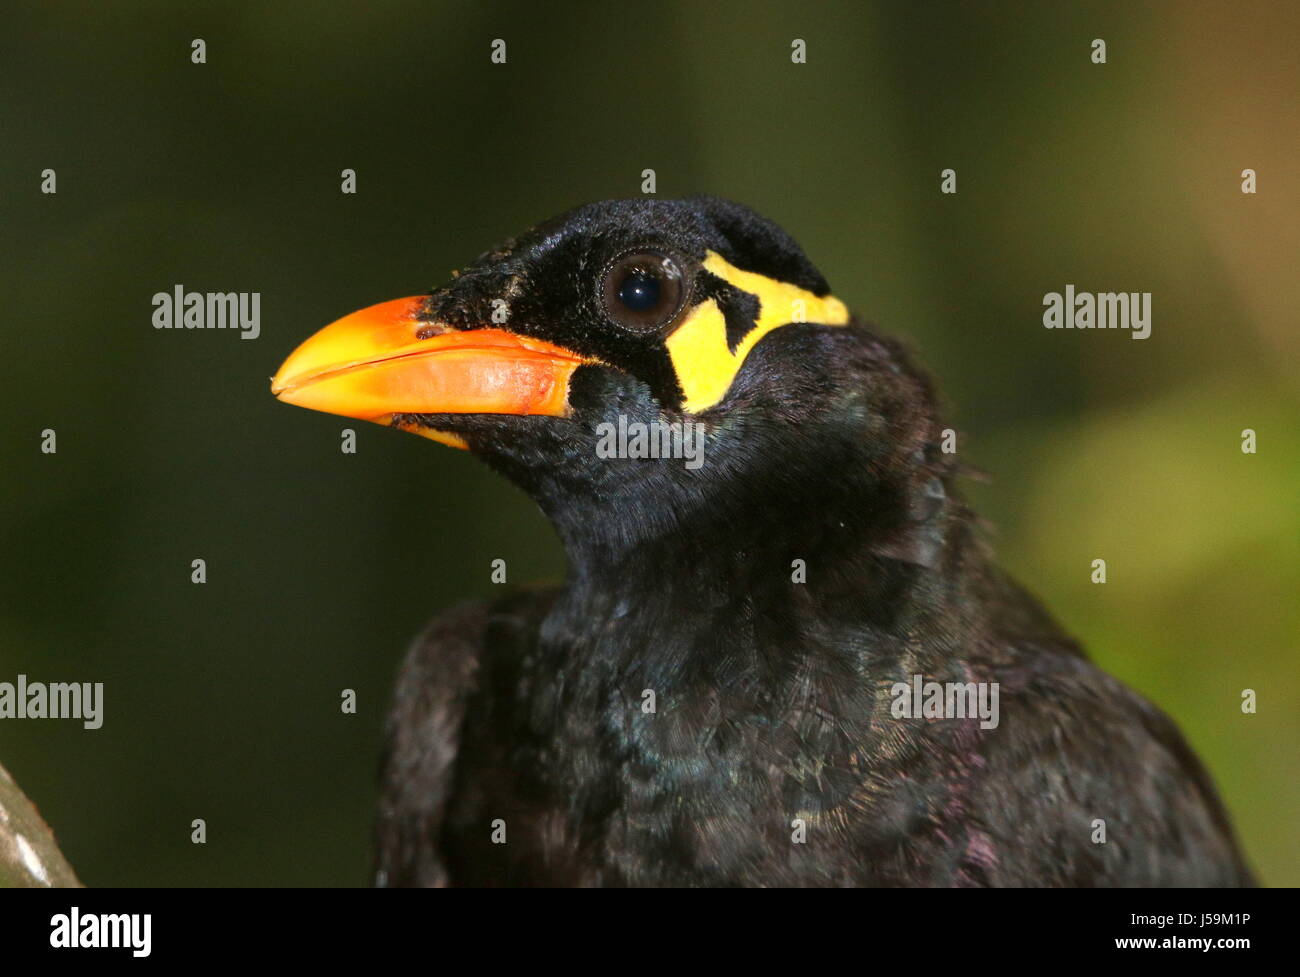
column 721, row 691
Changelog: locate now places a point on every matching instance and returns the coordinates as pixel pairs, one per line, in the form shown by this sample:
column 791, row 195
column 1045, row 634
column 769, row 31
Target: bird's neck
column 753, row 583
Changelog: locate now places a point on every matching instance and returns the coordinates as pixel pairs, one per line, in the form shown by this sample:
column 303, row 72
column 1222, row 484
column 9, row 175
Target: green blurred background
column 222, row 700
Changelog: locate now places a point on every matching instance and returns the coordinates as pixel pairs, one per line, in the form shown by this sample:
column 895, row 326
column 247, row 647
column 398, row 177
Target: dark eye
column 640, row 290
column 644, row 290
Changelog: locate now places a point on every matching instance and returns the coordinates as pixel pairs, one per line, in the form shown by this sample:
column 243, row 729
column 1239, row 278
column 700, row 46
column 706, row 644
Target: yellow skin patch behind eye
column 698, row 347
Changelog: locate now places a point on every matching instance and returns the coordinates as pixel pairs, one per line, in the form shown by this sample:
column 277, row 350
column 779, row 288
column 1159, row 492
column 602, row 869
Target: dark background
column 222, row 700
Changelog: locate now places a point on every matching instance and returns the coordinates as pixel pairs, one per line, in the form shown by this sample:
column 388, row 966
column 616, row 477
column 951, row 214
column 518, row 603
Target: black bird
column 722, row 691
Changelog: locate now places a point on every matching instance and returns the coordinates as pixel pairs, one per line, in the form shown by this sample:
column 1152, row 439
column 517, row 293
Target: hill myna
column 733, row 685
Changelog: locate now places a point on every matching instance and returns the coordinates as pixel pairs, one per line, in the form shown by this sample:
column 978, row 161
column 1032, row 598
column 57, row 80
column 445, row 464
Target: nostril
column 432, row 329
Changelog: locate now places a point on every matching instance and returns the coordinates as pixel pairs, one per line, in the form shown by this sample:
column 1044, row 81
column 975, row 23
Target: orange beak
column 373, row 364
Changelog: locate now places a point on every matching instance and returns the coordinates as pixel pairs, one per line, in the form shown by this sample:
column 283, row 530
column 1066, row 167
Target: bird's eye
column 643, row 291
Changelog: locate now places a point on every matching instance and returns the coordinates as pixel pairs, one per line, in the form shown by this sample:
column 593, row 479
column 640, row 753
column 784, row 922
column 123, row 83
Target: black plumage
column 772, row 694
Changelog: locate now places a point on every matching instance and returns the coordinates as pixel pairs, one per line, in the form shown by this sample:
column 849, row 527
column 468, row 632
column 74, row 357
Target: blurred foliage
column 222, row 700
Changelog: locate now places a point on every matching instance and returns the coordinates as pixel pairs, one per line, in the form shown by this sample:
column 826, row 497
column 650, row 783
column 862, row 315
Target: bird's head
column 695, row 325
